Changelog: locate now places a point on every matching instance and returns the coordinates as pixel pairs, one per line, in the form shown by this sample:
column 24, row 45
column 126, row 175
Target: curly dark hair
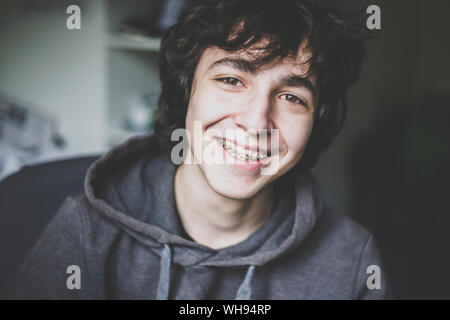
column 337, row 48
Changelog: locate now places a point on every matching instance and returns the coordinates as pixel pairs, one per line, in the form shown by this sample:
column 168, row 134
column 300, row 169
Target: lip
column 249, row 165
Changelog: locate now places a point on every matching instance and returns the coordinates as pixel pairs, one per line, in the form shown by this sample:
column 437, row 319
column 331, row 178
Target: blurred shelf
column 134, row 42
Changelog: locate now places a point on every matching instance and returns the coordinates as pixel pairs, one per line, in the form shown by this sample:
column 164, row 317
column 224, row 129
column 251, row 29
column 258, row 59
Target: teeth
column 242, row 154
column 240, row 149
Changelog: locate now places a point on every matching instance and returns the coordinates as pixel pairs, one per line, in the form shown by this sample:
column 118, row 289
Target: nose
column 256, row 113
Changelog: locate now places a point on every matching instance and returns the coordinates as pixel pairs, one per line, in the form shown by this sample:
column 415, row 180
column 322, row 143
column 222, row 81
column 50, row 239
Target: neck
column 212, row 219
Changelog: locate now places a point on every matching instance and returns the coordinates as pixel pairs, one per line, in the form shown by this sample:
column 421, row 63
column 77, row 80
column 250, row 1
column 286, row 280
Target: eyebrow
column 292, row 80
column 240, row 64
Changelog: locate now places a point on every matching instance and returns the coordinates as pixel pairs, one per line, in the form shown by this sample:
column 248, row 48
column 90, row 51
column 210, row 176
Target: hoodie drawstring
column 245, row 290
column 164, row 274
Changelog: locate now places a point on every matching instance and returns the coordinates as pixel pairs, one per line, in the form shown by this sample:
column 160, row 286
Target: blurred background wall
column 56, row 70
column 96, row 80
column 406, row 62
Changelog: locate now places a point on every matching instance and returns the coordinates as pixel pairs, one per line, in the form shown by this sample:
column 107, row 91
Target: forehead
column 212, row 56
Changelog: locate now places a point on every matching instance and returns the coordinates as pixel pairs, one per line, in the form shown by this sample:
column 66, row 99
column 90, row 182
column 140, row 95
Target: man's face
column 228, row 96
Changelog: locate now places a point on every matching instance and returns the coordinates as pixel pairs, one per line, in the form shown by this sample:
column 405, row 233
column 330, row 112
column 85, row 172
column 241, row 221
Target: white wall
column 58, row 70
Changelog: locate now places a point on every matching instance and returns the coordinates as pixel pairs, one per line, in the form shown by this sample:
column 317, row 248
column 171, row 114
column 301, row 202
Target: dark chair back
column 28, row 200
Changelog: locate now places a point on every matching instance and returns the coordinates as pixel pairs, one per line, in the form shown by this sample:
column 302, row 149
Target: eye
column 293, row 99
column 231, row 81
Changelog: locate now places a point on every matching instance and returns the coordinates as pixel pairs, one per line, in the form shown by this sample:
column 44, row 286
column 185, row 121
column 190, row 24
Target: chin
column 230, row 186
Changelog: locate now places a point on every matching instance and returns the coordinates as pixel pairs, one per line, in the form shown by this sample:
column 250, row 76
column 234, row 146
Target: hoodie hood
column 133, row 185
column 126, row 236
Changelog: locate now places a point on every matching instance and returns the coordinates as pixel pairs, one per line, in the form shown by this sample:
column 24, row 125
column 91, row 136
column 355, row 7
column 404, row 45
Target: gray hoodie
column 125, row 236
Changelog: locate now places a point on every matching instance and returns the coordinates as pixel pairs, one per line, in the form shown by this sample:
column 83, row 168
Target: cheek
column 296, row 134
column 195, row 111
column 208, row 106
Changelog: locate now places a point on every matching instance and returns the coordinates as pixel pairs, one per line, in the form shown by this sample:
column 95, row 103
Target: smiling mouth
column 243, row 154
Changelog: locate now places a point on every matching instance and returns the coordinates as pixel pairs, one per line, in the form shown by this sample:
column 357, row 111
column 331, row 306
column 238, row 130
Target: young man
column 260, row 86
